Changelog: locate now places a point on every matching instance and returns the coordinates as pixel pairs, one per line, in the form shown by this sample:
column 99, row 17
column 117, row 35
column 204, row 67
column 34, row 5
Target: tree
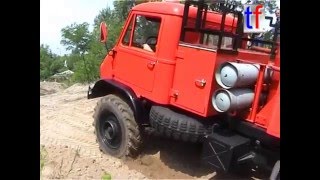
column 76, row 37
column 114, row 28
column 92, row 64
column 71, row 60
column 50, row 63
column 122, row 8
column 270, row 5
column 105, row 15
column 45, row 56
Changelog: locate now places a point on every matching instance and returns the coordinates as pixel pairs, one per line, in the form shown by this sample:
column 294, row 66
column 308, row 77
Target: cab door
column 136, row 55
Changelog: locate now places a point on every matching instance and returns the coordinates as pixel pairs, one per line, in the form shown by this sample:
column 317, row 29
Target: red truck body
column 189, row 74
column 176, row 66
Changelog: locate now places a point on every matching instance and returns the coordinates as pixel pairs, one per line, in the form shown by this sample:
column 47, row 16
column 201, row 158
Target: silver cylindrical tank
column 232, row 99
column 231, row 74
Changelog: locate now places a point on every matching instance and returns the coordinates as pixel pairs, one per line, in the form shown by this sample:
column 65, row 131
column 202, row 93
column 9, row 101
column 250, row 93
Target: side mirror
column 103, row 32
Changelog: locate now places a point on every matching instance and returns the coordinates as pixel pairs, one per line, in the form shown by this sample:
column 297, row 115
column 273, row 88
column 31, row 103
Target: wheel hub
column 111, row 130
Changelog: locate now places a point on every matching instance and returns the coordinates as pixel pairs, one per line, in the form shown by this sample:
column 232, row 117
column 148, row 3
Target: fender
column 109, row 86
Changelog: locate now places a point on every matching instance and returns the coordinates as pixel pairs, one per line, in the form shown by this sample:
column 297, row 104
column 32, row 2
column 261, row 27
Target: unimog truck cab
column 188, row 73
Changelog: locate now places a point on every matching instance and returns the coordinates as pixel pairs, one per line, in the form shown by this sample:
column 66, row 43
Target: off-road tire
column 177, row 126
column 275, row 174
column 131, row 140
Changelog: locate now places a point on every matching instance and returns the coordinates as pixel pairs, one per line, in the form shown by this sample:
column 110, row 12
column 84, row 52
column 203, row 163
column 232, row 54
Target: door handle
column 200, row 82
column 151, row 64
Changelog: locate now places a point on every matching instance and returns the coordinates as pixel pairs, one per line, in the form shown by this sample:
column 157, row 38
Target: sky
column 57, row 14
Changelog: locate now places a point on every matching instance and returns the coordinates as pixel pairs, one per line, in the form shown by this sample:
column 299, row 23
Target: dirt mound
column 50, row 88
column 76, row 88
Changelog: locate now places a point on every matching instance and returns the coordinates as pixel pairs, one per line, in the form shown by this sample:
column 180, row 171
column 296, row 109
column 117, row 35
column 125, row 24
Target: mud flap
column 222, row 150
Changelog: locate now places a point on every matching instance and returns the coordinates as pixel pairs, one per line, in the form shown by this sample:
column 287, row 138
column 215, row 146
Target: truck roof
column 176, row 9
column 161, row 8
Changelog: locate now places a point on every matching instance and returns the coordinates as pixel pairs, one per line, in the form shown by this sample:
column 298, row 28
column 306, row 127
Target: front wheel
column 275, row 174
column 115, row 127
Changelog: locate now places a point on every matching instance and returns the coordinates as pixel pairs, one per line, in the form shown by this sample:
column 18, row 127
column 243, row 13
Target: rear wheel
column 115, row 127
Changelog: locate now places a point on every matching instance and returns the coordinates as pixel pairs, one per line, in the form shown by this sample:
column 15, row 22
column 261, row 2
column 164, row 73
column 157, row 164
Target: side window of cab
column 145, row 33
column 126, row 38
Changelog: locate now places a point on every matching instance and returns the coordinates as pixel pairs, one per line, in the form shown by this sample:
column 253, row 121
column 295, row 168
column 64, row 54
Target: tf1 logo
column 254, row 16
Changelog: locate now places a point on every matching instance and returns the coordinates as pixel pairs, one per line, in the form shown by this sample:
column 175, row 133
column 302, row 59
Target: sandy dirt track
column 66, row 132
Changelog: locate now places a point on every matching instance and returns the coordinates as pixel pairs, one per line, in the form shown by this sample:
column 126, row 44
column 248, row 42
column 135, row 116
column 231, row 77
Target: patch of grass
column 43, row 157
column 106, row 176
